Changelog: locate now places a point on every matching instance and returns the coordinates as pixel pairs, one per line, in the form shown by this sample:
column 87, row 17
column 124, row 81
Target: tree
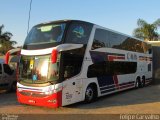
column 146, row 31
column 5, row 41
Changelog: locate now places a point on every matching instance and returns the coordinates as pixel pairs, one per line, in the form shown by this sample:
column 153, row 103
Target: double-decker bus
column 68, row 61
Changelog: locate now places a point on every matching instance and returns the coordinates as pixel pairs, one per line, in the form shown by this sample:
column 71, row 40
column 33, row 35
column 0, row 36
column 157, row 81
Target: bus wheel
column 90, row 94
column 143, row 81
column 12, row 87
column 138, row 83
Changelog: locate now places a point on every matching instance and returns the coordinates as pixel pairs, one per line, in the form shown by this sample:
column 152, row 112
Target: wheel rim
column 137, row 84
column 89, row 94
column 143, row 82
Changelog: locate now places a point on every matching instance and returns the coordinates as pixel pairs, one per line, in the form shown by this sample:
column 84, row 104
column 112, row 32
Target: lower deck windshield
column 38, row 69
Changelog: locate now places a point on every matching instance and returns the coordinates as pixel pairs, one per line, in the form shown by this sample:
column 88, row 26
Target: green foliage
column 5, row 41
column 146, row 31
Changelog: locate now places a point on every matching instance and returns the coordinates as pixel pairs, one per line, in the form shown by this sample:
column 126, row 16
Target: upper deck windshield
column 50, row 35
column 44, row 34
column 78, row 33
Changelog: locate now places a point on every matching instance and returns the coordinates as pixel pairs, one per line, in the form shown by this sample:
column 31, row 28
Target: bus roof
column 67, row 20
column 61, row 21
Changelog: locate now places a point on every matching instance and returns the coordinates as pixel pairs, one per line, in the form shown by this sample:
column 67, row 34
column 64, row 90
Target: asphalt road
column 135, row 101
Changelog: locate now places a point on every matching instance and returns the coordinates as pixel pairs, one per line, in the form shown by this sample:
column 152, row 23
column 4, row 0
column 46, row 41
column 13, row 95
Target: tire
column 143, row 82
column 138, row 83
column 12, row 87
column 90, row 94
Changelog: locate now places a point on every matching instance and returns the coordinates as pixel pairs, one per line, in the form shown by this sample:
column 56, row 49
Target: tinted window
column 116, row 40
column 7, row 69
column 134, row 45
column 122, row 42
column 72, row 62
column 0, row 69
column 45, row 34
column 106, row 38
column 110, row 68
column 100, row 39
column 79, row 33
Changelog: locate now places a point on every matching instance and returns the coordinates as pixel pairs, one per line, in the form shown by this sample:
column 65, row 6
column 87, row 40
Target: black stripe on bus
column 109, row 90
column 107, row 87
column 126, row 83
column 112, row 88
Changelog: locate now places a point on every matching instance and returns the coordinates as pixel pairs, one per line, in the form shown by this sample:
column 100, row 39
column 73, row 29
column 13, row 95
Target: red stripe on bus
column 115, row 79
column 113, row 57
column 126, row 86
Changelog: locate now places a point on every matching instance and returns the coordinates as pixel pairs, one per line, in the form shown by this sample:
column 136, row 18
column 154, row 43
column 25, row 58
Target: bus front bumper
column 29, row 97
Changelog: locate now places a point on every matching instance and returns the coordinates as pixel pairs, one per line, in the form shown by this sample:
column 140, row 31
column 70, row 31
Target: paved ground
column 136, row 101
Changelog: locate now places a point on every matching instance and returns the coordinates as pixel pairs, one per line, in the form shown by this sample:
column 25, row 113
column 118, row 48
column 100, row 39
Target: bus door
column 72, row 91
column 72, row 64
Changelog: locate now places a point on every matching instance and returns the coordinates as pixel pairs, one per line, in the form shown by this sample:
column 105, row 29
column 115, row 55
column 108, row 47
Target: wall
column 156, row 65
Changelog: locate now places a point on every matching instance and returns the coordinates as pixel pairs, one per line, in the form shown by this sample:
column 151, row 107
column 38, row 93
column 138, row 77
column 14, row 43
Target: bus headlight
column 19, row 89
column 57, row 89
column 52, row 91
column 49, row 92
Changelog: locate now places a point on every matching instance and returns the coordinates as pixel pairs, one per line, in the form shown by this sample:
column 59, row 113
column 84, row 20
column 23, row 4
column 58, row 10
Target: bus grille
column 33, row 94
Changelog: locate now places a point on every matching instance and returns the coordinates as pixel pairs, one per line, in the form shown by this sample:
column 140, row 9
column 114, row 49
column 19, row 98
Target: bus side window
column 110, row 68
column 72, row 62
column 100, row 39
column 68, row 72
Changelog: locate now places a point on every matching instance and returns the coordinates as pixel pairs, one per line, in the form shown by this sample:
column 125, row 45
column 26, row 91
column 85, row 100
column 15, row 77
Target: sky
column 119, row 15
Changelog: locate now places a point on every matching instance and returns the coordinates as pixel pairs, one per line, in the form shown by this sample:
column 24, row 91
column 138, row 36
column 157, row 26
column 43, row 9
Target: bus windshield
column 43, row 34
column 38, row 69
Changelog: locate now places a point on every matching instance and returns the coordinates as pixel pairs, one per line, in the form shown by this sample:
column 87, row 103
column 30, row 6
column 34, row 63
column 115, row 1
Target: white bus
column 68, row 61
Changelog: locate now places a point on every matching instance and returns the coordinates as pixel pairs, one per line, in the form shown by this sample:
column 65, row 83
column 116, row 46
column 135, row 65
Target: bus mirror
column 10, row 52
column 54, row 56
column 7, row 57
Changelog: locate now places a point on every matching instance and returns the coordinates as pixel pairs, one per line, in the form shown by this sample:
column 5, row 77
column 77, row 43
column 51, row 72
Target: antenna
column 29, row 16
